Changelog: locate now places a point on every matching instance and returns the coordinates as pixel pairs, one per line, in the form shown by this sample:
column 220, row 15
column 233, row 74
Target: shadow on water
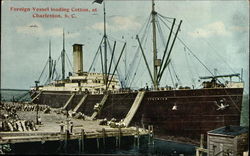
column 128, row 146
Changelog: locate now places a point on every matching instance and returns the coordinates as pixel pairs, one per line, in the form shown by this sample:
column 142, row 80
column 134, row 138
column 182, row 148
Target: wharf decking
column 56, row 126
column 22, row 137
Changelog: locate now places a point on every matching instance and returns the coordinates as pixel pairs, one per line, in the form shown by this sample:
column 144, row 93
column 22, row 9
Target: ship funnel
column 77, row 59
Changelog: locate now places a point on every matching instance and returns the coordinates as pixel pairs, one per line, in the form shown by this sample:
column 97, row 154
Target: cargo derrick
column 178, row 111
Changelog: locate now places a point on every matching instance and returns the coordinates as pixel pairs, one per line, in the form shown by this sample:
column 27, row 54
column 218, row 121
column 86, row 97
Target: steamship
column 173, row 111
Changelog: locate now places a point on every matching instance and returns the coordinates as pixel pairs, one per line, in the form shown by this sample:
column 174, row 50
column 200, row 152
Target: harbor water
column 127, row 147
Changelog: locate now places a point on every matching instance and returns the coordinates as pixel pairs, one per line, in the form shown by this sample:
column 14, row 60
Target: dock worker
column 71, row 127
column 146, row 86
column 39, row 120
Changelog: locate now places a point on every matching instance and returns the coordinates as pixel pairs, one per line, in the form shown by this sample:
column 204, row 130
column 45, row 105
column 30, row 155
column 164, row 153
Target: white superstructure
column 82, row 81
column 91, row 82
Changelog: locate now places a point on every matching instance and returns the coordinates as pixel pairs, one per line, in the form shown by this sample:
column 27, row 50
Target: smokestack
column 77, row 59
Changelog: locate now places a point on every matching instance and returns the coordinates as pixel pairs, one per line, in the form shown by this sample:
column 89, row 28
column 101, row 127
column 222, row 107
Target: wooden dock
column 36, row 136
column 56, row 127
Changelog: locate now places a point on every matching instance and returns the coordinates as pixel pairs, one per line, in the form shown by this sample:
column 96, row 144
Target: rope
column 167, row 19
column 144, row 41
column 131, row 66
column 69, row 61
column 95, row 56
column 190, row 50
column 135, row 72
column 209, row 45
column 43, row 70
column 205, row 67
column 160, row 33
column 190, row 69
column 165, row 16
column 22, row 96
column 115, row 39
column 171, row 77
column 114, row 63
column 45, row 79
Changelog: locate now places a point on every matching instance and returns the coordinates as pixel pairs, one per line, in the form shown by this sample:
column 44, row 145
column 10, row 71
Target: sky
column 217, row 32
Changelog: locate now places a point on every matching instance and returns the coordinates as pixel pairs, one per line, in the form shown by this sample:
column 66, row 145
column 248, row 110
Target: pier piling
column 151, row 134
column 136, row 138
column 66, row 140
column 119, row 136
column 83, row 139
column 201, row 143
column 104, row 136
column 97, row 144
column 200, row 150
column 79, row 145
column 116, row 141
column 61, row 128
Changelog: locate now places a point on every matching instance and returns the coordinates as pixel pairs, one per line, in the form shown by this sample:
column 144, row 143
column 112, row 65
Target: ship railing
column 122, row 91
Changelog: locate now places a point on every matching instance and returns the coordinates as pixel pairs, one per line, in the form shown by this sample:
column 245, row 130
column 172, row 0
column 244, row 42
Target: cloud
column 213, row 29
column 98, row 26
column 239, row 28
column 36, row 29
column 119, row 23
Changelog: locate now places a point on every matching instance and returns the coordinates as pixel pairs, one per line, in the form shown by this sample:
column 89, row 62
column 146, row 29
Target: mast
column 50, row 61
column 161, row 63
column 153, row 13
column 105, row 47
column 106, row 71
column 63, row 58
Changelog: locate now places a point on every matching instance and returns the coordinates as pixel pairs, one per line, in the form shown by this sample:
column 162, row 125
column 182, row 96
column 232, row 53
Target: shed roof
column 229, row 130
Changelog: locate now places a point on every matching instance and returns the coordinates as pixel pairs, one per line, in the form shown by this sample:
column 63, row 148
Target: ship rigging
column 162, row 59
column 177, row 111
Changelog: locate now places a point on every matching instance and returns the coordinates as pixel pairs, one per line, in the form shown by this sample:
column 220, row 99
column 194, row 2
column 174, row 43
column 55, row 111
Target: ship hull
column 196, row 111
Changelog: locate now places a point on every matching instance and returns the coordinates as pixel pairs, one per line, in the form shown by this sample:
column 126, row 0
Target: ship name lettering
column 157, row 98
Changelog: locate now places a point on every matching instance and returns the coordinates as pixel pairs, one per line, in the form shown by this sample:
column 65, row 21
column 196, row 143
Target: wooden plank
column 134, row 108
column 36, row 96
column 57, row 136
column 80, row 103
column 104, row 99
column 223, row 139
column 67, row 103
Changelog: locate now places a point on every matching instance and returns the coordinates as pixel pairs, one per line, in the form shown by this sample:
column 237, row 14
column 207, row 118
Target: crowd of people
column 10, row 121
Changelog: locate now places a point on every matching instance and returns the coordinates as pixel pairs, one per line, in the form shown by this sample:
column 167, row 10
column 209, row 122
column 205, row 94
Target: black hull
column 195, row 115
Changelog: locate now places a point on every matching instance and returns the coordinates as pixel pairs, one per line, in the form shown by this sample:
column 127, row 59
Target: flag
column 98, row 1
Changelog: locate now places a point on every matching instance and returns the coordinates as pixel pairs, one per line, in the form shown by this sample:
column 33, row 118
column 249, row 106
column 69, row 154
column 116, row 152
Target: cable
column 114, row 63
column 191, row 51
column 69, row 61
column 43, row 70
column 176, row 76
column 95, row 56
column 210, row 45
column 160, row 32
column 131, row 66
column 190, row 69
column 165, row 16
column 203, row 66
column 144, row 41
column 171, row 77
